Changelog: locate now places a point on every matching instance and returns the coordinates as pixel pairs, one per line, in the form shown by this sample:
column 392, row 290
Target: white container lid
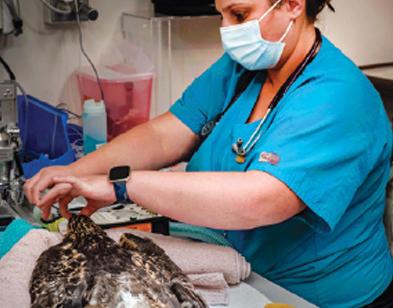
column 91, row 106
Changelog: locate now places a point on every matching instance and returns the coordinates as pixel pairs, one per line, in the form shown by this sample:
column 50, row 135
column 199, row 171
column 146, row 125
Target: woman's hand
column 44, row 180
column 96, row 189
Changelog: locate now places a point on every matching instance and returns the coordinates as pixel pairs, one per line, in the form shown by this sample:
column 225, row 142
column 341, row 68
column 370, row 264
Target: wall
column 44, row 57
column 362, row 29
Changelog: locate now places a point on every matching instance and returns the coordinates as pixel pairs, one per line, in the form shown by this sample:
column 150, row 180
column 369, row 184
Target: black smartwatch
column 119, row 176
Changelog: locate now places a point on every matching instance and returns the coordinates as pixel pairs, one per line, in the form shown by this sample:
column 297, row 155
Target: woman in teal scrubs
column 289, row 151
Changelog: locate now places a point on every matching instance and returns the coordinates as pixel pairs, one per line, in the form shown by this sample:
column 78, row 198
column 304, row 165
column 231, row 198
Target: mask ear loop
column 269, row 10
column 286, row 32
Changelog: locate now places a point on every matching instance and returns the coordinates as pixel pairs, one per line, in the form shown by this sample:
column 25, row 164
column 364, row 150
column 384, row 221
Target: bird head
column 81, row 225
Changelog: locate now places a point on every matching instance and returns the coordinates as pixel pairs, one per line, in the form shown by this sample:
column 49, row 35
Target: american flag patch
column 270, row 158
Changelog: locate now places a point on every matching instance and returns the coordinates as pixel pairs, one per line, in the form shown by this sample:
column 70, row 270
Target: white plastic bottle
column 94, row 125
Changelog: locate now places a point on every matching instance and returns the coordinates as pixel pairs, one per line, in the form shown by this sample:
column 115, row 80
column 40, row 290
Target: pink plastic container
column 127, row 95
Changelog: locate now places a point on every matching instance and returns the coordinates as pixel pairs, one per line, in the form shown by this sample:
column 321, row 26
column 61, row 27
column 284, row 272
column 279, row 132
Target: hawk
column 89, row 269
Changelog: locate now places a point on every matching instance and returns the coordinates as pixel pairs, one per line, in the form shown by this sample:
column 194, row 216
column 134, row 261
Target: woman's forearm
column 222, row 200
column 149, row 146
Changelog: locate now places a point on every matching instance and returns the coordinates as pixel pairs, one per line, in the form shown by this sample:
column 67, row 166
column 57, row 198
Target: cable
column 78, row 116
column 183, row 230
column 61, row 104
column 11, row 7
column 81, row 6
column 55, row 9
column 24, row 139
column 83, row 51
column 17, row 22
column 53, row 137
column 7, row 68
column 17, row 1
column 77, row 132
column 77, row 144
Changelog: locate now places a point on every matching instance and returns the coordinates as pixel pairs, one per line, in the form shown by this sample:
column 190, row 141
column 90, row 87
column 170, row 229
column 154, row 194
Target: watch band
column 121, row 192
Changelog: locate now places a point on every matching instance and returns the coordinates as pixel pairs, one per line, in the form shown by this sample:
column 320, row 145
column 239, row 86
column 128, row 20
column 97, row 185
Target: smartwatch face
column 120, row 173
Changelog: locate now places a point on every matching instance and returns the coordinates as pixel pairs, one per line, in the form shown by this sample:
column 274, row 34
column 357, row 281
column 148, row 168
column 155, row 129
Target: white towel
column 193, row 258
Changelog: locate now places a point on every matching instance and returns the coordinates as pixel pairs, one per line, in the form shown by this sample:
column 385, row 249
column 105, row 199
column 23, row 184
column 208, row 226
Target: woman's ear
column 295, row 8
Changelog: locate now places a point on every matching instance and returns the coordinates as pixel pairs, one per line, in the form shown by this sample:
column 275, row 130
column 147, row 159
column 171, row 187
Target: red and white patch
column 270, row 158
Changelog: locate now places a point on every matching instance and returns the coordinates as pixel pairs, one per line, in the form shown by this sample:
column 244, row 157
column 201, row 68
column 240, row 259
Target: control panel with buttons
column 131, row 216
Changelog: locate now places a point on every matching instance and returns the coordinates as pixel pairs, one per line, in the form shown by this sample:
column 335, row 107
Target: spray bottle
column 94, row 125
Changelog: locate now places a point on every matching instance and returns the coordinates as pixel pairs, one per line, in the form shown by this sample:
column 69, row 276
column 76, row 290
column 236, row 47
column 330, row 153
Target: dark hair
column 314, row 7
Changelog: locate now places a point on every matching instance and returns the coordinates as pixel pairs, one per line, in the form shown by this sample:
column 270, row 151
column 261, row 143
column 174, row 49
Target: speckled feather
column 89, row 269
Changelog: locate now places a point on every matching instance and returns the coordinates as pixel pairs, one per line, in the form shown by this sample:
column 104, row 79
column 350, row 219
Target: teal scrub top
column 330, row 141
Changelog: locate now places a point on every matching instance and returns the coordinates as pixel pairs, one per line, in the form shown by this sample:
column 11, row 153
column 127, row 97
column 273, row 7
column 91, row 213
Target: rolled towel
column 197, row 258
column 213, row 288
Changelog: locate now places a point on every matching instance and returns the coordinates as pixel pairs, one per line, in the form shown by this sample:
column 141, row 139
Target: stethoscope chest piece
column 237, row 148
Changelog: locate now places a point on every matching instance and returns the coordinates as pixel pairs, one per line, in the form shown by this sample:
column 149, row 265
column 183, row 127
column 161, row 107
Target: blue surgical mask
column 245, row 45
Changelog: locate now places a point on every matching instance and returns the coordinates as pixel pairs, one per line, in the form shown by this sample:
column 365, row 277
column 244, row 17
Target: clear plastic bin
column 127, row 95
column 181, row 48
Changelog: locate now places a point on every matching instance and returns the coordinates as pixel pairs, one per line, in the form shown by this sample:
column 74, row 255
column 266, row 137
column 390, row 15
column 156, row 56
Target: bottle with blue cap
column 94, row 125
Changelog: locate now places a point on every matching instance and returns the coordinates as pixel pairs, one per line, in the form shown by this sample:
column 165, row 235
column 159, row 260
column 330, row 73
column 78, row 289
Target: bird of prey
column 89, row 269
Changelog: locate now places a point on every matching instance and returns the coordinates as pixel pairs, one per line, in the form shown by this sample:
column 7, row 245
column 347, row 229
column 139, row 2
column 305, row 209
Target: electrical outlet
column 51, row 17
column 9, row 111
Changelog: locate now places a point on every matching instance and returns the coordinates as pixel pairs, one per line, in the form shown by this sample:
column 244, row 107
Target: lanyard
column 244, row 80
column 237, row 147
column 292, row 78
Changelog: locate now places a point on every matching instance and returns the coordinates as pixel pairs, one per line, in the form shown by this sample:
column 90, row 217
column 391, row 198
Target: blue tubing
column 177, row 229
